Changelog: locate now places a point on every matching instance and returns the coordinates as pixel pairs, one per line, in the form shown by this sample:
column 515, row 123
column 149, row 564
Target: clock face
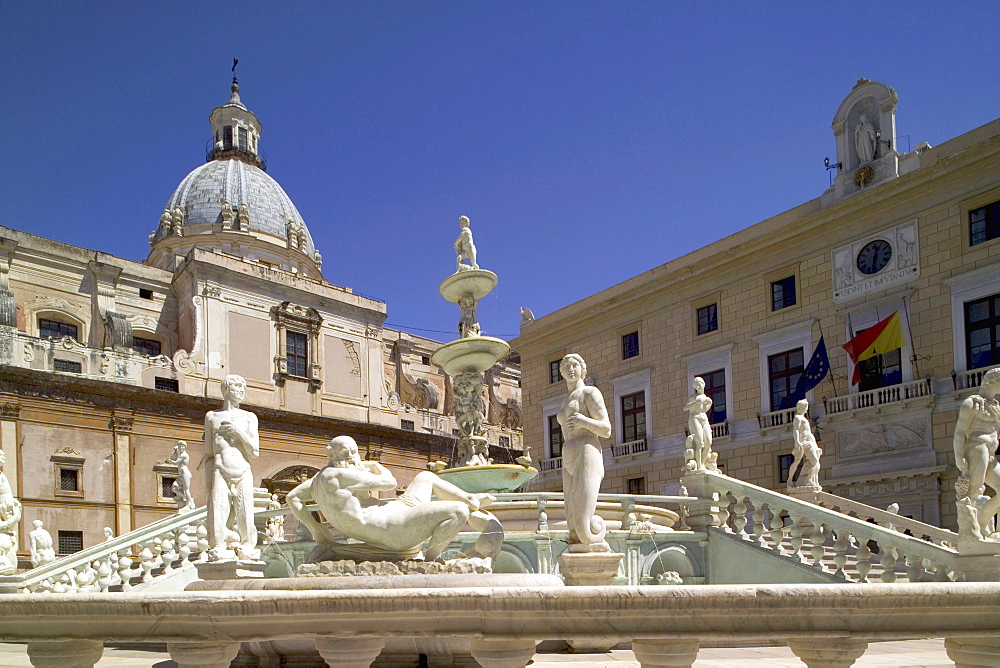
column 874, row 257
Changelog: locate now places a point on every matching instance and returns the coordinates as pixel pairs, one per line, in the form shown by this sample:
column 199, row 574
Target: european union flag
column 813, row 374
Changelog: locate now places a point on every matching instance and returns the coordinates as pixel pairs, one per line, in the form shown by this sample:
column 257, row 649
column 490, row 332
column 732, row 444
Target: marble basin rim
column 475, row 282
column 489, row 478
column 476, row 353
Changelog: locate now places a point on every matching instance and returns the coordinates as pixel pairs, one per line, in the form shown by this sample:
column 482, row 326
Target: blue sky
column 587, row 141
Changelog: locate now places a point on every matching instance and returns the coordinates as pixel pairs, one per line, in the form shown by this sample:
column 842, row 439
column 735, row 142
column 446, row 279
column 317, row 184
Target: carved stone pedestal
column 350, row 652
column 65, row 653
column 203, row 654
column 665, row 652
column 828, row 652
column 505, row 653
column 979, row 567
column 230, row 569
column 973, row 652
column 589, row 568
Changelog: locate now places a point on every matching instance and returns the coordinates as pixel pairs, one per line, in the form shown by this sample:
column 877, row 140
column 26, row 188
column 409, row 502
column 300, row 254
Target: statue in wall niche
column 391, row 529
column 467, row 324
column 465, row 249
column 975, row 443
column 10, row 516
column 231, row 441
column 806, row 452
column 182, row 483
column 42, row 551
column 584, row 421
column 864, row 140
column 698, row 444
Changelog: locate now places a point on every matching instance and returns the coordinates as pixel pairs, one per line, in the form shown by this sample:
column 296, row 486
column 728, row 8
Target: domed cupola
column 231, row 205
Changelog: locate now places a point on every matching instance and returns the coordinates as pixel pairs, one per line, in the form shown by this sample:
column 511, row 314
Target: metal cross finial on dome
column 235, row 63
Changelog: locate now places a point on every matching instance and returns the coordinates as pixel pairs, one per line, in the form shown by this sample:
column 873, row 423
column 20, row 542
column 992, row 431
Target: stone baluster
column 864, row 555
column 796, row 538
column 543, row 517
column 105, row 575
column 777, row 530
column 840, row 546
column 818, row 538
column 758, row 524
column 349, row 652
column 65, row 653
column 183, row 546
column 202, row 533
column 914, row 568
column 828, row 652
column 740, row 517
column 167, row 554
column 888, row 562
column 146, row 560
column 661, row 652
column 125, row 567
column 203, row 654
column 502, row 653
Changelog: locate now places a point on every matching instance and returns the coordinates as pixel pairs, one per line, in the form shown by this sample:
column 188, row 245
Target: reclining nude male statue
column 391, row 529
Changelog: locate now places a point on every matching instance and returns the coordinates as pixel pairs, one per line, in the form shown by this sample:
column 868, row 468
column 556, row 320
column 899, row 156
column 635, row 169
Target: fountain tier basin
column 492, row 478
column 477, row 353
column 475, row 282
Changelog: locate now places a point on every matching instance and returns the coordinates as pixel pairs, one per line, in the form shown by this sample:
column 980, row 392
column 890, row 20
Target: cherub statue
column 465, row 249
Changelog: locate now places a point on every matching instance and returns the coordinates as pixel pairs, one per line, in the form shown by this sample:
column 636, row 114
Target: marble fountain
column 460, row 571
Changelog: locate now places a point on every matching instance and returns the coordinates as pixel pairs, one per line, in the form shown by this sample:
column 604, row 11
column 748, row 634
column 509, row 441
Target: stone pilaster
column 121, row 438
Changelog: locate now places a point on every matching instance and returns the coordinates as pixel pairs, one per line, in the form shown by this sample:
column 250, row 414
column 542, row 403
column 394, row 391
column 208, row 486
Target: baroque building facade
column 916, row 233
column 105, row 362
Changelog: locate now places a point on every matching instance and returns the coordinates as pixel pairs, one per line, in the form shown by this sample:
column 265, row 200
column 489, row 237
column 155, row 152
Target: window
column 784, row 371
column 636, row 486
column 145, row 294
column 424, row 359
column 166, row 384
column 555, row 437
column 242, row 134
column 984, row 223
column 52, row 329
column 708, row 319
column 504, row 441
column 70, row 541
column 783, row 293
column 982, row 332
column 457, row 433
column 633, row 416
column 881, row 371
column 297, row 353
column 69, row 480
column 555, row 375
column 715, row 389
column 146, row 346
column 167, row 487
column 67, row 366
column 784, row 466
column 630, row 345
column 227, row 137
column 408, row 425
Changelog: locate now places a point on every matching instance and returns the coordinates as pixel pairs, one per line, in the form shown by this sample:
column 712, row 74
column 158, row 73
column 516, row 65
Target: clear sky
column 587, row 141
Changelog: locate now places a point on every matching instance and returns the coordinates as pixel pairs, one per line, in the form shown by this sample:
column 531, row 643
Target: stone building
column 105, row 363
column 915, row 232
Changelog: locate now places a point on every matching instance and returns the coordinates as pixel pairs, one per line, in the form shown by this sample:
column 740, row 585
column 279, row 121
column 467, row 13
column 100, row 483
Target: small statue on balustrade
column 698, row 444
column 182, row 483
column 975, row 444
column 42, row 550
column 806, row 452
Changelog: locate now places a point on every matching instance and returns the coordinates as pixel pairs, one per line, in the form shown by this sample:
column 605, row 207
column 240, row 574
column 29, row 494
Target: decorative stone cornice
column 10, row 411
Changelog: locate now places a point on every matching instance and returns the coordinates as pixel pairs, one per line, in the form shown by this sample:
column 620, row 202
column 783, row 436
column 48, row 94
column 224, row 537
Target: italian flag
column 880, row 338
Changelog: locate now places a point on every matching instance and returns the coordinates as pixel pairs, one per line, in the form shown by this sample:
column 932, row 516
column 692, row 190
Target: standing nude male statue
column 975, row 444
column 231, row 441
column 341, row 490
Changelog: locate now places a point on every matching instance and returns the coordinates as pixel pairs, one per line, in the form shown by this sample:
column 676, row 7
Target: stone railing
column 828, row 541
column 824, row 625
column 114, row 564
column 883, row 518
column 720, row 429
column 553, row 464
column 635, row 447
column 967, row 380
column 879, row 397
column 775, row 418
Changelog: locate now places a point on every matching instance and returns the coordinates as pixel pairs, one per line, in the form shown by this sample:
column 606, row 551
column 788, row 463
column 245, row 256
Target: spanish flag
column 880, row 338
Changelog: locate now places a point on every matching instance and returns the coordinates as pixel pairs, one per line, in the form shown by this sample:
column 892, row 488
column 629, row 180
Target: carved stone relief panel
column 879, row 439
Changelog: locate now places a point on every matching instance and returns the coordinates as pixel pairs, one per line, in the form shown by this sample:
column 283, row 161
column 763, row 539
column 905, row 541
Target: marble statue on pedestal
column 698, row 444
column 975, row 443
column 864, row 140
column 391, row 529
column 231, row 441
column 42, row 551
column 806, row 452
column 465, row 249
column 182, row 483
column 584, row 421
column 470, row 413
column 10, row 516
